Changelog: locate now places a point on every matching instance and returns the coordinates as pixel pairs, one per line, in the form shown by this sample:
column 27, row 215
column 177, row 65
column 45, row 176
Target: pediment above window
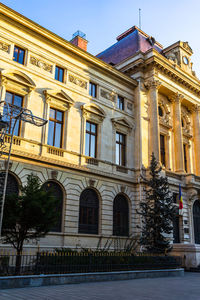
column 17, row 81
column 93, row 112
column 122, row 125
column 58, row 99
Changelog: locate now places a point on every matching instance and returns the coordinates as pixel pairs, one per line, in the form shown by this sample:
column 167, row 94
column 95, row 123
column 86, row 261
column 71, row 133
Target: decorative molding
column 187, row 47
column 93, row 112
column 122, row 188
column 41, row 64
column 78, row 81
column 108, row 95
column 59, row 99
column 122, row 125
column 4, row 47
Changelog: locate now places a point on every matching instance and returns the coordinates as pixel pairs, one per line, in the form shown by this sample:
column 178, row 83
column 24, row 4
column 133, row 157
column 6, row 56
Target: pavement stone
column 168, row 288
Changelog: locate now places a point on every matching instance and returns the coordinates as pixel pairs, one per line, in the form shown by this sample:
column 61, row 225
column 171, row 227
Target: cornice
column 19, row 18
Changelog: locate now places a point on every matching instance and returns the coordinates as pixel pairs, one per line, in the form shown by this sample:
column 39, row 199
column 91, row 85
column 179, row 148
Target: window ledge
column 121, row 169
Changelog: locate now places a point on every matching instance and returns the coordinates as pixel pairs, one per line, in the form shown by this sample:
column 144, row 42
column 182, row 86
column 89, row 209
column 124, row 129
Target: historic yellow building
column 106, row 115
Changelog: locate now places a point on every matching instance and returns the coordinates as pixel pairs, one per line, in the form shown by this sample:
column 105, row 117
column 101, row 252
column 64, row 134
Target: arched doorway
column 120, row 216
column 196, row 218
column 58, row 194
column 89, row 212
column 12, row 184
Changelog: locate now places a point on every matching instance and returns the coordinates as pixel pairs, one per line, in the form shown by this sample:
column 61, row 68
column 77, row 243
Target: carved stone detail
column 122, row 188
column 54, row 174
column 4, row 46
column 77, row 81
column 176, row 97
column 108, row 95
column 40, row 64
column 152, row 83
column 92, row 182
column 129, row 106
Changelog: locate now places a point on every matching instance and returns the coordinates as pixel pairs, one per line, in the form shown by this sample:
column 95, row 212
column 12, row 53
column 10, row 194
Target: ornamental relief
column 107, row 95
column 164, row 111
column 77, row 81
column 4, row 47
column 40, row 64
column 185, row 121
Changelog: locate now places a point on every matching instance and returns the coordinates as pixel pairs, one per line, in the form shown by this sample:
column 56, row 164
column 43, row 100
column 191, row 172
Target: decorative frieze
column 78, row 81
column 40, row 64
column 108, row 95
column 4, row 47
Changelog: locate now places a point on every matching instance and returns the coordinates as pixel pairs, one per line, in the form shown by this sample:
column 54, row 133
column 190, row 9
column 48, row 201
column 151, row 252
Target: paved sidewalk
column 171, row 288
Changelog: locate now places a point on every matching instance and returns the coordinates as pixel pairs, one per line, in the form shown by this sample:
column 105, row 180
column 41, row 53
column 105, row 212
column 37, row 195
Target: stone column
column 153, row 86
column 178, row 140
column 196, row 124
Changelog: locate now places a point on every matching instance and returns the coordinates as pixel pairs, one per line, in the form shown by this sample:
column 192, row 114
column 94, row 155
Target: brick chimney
column 79, row 39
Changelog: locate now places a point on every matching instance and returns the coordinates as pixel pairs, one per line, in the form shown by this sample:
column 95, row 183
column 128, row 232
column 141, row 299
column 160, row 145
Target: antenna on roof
column 140, row 18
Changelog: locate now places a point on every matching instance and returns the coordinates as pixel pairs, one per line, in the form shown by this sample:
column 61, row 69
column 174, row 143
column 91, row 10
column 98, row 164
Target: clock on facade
column 185, row 60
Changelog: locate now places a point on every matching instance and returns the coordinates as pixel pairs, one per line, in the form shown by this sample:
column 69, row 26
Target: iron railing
column 62, row 262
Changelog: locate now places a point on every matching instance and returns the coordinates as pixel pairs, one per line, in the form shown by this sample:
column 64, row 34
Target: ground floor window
column 196, row 218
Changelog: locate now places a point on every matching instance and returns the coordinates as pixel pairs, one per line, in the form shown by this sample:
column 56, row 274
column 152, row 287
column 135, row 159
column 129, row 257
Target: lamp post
column 15, row 113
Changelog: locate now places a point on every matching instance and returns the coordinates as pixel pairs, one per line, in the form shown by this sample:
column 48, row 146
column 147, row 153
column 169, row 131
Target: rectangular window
column 55, row 128
column 19, row 55
column 93, row 90
column 162, row 149
column 17, row 100
column 120, row 102
column 120, row 149
column 91, row 139
column 59, row 74
column 185, row 157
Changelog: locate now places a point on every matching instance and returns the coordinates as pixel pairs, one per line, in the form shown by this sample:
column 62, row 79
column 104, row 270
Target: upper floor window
column 19, row 55
column 93, row 89
column 120, row 149
column 162, row 149
column 185, row 157
column 55, row 128
column 91, row 139
column 59, row 74
column 17, row 100
column 120, row 102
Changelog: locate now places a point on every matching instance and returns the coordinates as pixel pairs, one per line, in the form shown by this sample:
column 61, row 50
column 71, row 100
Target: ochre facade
column 160, row 114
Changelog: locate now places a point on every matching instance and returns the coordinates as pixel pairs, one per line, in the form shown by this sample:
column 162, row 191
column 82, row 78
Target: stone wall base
column 190, row 254
column 57, row 279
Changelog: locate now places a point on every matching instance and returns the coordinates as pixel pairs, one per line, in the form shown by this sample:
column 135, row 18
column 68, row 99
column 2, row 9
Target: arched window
column 196, row 218
column 12, row 184
column 89, row 212
column 57, row 193
column 120, row 216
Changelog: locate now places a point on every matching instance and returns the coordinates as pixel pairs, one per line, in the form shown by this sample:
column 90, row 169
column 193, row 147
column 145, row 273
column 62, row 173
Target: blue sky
column 101, row 21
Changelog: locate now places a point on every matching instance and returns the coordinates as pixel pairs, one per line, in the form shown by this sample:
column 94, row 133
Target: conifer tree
column 157, row 211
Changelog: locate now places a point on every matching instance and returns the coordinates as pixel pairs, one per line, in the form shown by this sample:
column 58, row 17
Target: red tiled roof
column 129, row 43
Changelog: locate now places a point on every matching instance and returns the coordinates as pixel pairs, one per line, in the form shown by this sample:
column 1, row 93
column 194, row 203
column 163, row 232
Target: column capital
column 176, row 98
column 152, row 84
column 195, row 108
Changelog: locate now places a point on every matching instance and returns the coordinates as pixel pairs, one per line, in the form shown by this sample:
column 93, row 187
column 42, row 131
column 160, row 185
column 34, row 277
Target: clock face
column 185, row 60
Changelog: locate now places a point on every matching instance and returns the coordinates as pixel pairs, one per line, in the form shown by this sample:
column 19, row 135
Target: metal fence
column 59, row 262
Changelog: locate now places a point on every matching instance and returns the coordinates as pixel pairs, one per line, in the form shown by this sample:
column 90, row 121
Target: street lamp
column 16, row 113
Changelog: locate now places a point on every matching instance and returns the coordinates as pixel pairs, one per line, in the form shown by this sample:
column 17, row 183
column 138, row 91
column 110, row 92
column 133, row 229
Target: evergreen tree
column 157, row 211
column 28, row 216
